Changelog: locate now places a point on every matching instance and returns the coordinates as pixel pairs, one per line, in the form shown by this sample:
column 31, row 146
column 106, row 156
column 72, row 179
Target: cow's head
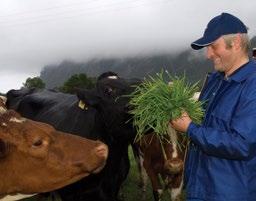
column 110, row 98
column 34, row 157
column 17, row 95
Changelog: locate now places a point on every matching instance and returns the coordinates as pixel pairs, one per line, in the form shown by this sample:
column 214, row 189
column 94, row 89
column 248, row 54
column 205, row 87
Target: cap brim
column 200, row 43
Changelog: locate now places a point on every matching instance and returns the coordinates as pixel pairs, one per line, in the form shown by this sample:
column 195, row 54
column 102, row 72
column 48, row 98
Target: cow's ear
column 88, row 97
column 4, row 148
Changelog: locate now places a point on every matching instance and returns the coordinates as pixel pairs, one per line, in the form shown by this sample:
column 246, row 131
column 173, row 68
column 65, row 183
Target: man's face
column 223, row 58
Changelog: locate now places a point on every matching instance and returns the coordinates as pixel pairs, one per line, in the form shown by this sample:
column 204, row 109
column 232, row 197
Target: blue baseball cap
column 218, row 26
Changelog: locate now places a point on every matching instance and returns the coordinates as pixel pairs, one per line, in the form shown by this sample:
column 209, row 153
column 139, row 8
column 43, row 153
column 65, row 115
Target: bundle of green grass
column 155, row 102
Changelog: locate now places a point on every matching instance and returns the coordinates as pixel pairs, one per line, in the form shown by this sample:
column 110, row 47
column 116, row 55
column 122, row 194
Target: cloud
column 37, row 33
column 12, row 80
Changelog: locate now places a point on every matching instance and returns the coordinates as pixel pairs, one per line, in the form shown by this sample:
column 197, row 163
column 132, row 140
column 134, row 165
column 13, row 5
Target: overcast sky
column 34, row 33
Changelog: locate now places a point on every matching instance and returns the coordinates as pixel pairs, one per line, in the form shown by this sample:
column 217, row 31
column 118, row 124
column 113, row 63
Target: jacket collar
column 241, row 73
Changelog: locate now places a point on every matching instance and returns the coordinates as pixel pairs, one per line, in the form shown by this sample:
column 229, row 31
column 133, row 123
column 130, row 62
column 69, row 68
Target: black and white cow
column 99, row 113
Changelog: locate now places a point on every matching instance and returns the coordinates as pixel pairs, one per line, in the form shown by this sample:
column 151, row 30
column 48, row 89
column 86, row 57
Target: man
column 221, row 163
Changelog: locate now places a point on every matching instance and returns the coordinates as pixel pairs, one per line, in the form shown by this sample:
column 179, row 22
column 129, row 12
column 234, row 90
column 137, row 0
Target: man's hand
column 181, row 124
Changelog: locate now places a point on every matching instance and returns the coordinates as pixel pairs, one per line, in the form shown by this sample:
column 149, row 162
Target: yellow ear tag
column 82, row 105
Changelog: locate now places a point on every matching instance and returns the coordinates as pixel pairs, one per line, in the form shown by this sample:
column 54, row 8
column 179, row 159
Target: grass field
column 130, row 190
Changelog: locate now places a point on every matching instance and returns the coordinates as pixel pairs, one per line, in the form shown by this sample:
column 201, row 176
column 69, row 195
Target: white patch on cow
column 4, row 99
column 173, row 135
column 175, row 192
column 175, row 153
column 16, row 197
column 3, row 124
column 160, row 192
column 143, row 173
column 20, row 120
column 2, row 110
column 113, row 77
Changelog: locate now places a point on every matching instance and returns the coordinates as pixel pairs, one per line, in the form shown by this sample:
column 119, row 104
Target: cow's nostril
column 102, row 150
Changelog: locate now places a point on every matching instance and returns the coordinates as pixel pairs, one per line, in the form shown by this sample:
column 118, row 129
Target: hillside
column 139, row 67
column 192, row 63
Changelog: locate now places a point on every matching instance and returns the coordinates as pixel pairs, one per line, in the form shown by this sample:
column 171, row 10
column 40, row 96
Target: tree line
column 80, row 80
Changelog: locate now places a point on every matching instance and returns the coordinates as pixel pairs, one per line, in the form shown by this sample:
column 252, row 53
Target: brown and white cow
column 34, row 157
column 166, row 160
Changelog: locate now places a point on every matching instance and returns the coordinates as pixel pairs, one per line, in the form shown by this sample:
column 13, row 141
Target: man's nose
column 209, row 52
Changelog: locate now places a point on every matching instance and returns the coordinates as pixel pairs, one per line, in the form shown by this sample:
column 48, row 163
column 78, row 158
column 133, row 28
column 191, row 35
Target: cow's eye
column 37, row 143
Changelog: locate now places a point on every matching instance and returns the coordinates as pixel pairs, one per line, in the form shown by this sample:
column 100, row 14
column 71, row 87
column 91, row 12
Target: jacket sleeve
column 237, row 144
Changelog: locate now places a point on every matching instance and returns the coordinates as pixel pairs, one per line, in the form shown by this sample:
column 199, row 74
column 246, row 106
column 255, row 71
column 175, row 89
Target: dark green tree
column 34, row 82
column 77, row 81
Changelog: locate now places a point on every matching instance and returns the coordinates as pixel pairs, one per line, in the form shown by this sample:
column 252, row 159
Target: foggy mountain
column 193, row 66
column 192, row 63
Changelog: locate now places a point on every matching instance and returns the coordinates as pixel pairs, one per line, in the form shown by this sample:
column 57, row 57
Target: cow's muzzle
column 173, row 166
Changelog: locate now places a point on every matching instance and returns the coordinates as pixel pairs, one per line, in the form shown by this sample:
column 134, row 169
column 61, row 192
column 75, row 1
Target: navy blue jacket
column 221, row 163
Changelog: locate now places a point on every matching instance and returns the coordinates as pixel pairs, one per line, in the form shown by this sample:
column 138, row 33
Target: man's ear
column 4, row 148
column 236, row 42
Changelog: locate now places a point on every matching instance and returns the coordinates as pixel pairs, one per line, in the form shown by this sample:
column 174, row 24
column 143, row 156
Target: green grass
column 130, row 190
column 154, row 102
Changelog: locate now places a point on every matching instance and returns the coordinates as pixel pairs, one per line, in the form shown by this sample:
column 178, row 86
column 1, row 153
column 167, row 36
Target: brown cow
column 34, row 157
column 166, row 161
